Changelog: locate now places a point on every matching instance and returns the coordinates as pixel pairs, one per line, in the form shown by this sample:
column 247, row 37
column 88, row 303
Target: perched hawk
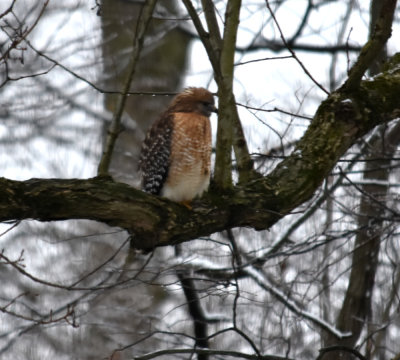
column 176, row 153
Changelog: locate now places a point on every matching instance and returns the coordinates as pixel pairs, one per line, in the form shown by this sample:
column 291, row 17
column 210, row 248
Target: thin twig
column 23, row 36
column 8, row 10
column 70, row 287
column 10, row 228
column 291, row 50
column 97, row 268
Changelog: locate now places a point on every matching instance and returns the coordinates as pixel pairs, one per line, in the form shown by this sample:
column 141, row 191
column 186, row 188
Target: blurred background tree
column 321, row 283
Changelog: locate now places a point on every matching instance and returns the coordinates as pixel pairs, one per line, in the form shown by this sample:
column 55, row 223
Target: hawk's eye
column 209, row 107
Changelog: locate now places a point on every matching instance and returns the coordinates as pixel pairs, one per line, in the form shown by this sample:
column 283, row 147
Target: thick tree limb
column 341, row 119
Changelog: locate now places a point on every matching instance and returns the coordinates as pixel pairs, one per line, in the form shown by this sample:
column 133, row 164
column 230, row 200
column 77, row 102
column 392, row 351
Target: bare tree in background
column 292, row 254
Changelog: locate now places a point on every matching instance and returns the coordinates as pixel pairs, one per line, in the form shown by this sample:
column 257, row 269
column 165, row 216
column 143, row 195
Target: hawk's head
column 192, row 99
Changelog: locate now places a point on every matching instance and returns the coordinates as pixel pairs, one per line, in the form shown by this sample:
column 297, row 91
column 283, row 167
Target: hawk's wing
column 155, row 154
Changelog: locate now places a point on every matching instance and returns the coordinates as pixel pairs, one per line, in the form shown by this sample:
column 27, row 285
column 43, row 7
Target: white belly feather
column 189, row 186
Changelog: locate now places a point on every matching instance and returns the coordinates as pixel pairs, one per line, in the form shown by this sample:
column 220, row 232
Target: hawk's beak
column 214, row 109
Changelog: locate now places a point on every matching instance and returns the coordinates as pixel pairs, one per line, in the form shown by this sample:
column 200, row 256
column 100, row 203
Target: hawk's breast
column 190, row 157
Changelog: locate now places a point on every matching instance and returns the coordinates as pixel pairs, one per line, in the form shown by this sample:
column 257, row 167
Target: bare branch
column 346, row 349
column 16, row 264
column 221, row 54
column 68, row 317
column 278, row 46
column 236, row 354
column 291, row 305
column 26, row 32
column 291, row 50
column 212, row 46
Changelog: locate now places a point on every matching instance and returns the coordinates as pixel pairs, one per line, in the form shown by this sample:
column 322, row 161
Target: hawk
column 175, row 159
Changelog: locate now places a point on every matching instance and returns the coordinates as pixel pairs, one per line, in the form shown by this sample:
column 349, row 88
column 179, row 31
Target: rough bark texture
column 341, row 119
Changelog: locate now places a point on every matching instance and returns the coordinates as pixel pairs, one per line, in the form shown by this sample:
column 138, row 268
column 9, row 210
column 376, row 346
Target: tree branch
column 211, row 46
column 234, row 354
column 221, row 54
column 278, row 46
column 212, row 24
column 244, row 161
column 194, row 308
column 339, row 122
column 346, row 349
column 196, row 312
column 258, row 277
column 23, row 35
column 291, row 50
